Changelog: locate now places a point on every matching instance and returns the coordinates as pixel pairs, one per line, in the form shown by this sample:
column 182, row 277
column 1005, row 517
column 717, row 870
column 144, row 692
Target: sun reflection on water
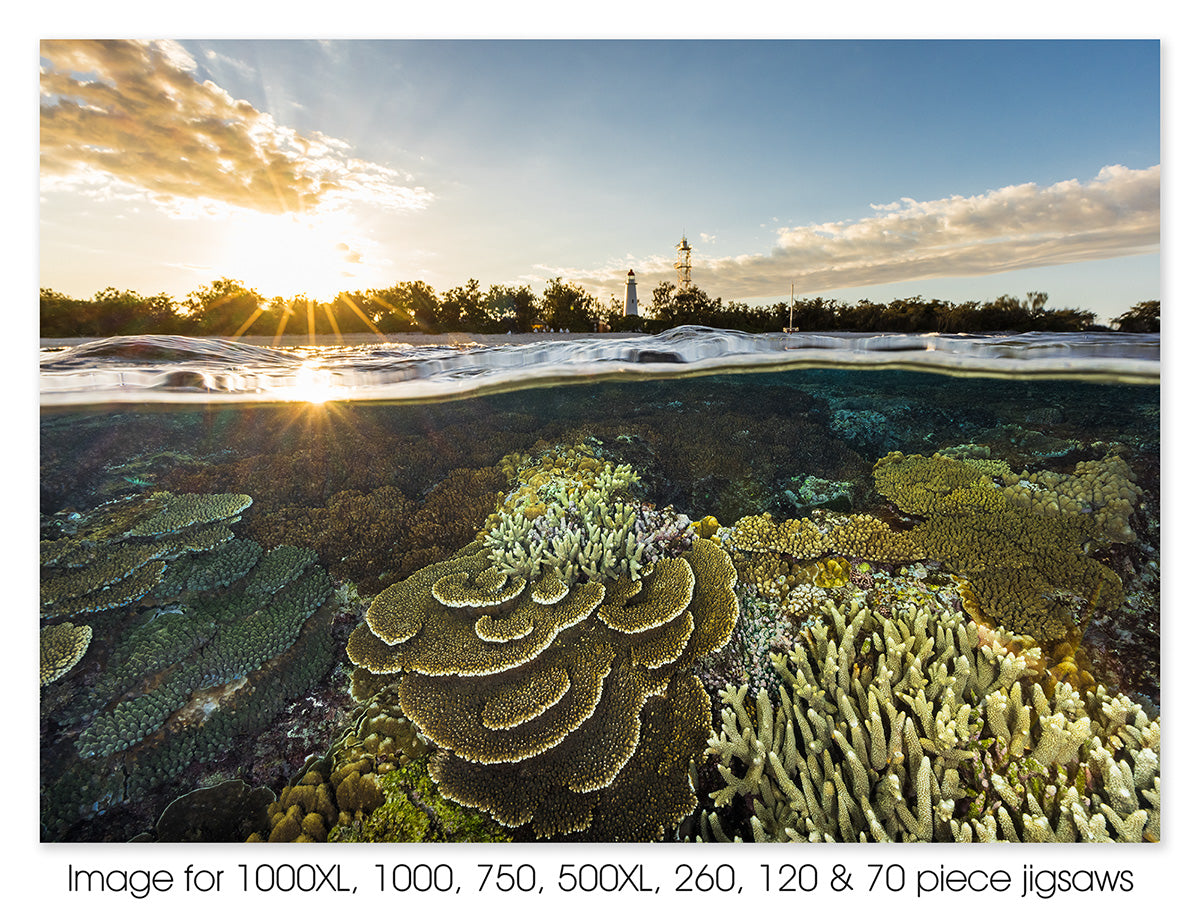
column 313, row 383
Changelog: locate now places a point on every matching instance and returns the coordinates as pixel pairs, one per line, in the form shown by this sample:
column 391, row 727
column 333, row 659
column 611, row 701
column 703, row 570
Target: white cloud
column 125, row 117
column 1018, row 226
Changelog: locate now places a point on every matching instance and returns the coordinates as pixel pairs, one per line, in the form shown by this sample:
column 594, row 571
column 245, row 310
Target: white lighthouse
column 630, row 294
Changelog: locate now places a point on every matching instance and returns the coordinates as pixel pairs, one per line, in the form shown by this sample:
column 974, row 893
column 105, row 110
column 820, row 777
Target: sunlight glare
column 290, row 255
column 313, row 384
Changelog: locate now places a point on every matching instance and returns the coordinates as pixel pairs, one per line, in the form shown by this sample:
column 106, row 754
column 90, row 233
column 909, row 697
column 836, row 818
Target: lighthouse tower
column 683, row 265
column 630, row 294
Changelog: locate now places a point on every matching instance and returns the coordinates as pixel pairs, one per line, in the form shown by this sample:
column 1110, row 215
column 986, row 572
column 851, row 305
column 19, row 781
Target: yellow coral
column 536, row 730
column 62, row 647
column 1104, row 488
column 919, row 484
column 1027, row 568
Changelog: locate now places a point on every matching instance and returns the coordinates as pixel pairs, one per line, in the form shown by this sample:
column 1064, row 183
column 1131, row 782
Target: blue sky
column 852, row 168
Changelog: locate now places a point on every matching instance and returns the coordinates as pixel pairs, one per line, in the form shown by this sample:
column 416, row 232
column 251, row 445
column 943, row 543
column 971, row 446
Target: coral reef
column 372, row 786
column 222, row 636
column 1103, row 488
column 780, row 560
column 62, row 647
column 807, row 493
column 1026, row 535
column 563, row 701
column 914, row 726
column 377, row 537
column 1028, row 567
column 572, row 512
column 120, row 554
column 225, row 812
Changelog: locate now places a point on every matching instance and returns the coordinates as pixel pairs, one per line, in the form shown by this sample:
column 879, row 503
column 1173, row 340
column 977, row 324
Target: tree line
column 228, row 308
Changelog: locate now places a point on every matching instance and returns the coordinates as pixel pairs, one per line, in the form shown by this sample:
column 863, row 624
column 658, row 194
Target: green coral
column 373, row 786
column 413, row 811
column 209, row 570
column 171, row 513
column 122, row 549
column 232, row 636
column 911, row 727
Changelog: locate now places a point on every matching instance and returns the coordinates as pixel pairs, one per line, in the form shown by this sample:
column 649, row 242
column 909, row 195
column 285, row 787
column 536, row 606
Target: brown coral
column 555, row 727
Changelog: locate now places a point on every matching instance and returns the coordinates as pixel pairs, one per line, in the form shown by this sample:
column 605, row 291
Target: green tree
column 224, row 307
column 60, row 316
column 510, row 309
column 407, row 306
column 109, row 312
column 566, row 305
column 462, row 308
column 1142, row 318
column 660, row 300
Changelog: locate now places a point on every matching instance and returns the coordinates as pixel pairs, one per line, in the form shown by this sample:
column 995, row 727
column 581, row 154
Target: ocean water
column 586, row 589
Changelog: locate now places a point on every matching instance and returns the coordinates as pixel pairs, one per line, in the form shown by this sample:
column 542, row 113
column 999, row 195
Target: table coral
column 798, row 559
column 62, row 647
column 909, row 727
column 216, row 643
column 1029, row 568
column 554, row 707
column 122, row 551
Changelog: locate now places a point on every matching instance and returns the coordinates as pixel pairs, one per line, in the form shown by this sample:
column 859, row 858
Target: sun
column 288, row 255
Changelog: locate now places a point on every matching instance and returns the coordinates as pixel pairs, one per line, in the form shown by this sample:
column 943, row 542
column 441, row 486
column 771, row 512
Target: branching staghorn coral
column 573, row 513
column 910, row 728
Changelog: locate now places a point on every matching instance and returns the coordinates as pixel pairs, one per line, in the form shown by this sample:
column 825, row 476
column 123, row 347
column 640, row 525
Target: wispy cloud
column 1018, row 226
column 126, row 118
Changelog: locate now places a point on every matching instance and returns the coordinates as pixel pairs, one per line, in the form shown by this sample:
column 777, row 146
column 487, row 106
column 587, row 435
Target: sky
column 955, row 169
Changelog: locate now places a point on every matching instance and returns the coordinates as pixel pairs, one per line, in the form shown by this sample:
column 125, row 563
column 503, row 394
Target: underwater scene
column 702, row 586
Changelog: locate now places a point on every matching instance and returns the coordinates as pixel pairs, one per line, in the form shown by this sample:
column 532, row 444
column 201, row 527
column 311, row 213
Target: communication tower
column 683, row 265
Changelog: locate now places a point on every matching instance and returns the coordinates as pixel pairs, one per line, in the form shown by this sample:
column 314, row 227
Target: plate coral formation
column 557, row 681
column 205, row 636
